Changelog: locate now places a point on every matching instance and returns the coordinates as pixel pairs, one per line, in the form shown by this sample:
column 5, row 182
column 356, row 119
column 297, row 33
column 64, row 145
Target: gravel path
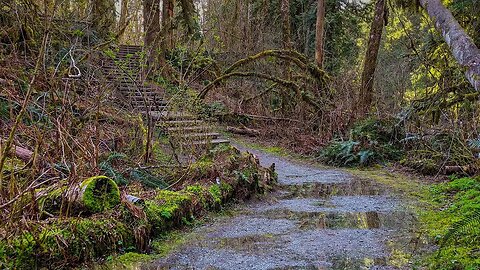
column 320, row 218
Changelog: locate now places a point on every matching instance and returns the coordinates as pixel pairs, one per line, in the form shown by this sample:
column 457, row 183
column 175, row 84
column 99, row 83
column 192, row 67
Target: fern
column 148, row 179
column 475, row 144
column 107, row 168
column 467, row 225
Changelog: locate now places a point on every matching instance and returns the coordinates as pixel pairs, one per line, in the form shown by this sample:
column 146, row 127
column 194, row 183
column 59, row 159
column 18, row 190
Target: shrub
column 371, row 141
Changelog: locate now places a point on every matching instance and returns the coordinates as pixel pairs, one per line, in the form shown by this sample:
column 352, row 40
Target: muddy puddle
column 319, row 218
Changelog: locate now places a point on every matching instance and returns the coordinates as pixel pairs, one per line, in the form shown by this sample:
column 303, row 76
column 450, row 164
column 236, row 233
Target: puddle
column 354, row 186
column 250, row 226
column 333, row 204
column 340, row 220
column 320, row 218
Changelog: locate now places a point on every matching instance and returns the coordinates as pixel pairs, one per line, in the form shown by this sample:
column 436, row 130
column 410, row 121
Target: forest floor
column 318, row 218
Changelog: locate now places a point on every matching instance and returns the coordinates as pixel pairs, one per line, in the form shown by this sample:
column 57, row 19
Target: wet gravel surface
column 320, row 218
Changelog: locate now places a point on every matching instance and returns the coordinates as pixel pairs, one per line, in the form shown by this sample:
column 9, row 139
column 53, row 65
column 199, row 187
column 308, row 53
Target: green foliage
column 213, row 109
column 137, row 174
column 4, row 109
column 148, row 179
column 456, row 224
column 106, row 167
column 183, row 58
column 371, row 141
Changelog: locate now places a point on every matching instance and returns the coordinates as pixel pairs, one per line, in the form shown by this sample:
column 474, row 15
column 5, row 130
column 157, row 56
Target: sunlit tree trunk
column 319, row 33
column 370, row 63
column 462, row 46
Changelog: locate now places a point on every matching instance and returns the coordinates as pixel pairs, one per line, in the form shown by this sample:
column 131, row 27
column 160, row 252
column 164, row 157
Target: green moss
column 200, row 194
column 100, row 193
column 167, row 242
column 167, row 209
column 13, row 164
column 202, row 166
column 79, row 239
column 216, row 194
column 130, row 258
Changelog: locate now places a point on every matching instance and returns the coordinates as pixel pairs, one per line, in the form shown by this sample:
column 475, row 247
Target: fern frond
column 467, row 225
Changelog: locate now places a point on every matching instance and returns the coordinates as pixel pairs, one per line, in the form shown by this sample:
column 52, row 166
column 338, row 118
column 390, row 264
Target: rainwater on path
column 319, row 218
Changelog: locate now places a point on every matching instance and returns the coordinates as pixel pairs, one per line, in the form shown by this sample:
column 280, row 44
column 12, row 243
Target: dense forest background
column 348, row 83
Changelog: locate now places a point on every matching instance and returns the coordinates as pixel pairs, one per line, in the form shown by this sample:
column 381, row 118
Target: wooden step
column 167, row 116
column 197, row 136
column 189, row 129
column 211, row 142
column 183, row 123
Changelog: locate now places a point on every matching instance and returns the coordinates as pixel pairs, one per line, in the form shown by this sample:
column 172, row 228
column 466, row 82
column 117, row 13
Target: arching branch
column 288, row 84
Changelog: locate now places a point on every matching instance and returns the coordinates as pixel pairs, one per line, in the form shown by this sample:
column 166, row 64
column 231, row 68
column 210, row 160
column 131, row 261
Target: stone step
column 138, row 90
column 139, row 95
column 130, row 47
column 120, row 66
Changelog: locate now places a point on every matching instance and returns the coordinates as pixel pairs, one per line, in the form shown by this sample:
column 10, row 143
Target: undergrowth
column 454, row 224
column 370, row 141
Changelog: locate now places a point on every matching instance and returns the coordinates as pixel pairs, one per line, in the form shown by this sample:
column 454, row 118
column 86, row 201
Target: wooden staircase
column 186, row 130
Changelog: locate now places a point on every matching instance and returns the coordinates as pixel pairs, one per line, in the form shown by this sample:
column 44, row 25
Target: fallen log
column 244, row 131
column 19, row 152
column 95, row 194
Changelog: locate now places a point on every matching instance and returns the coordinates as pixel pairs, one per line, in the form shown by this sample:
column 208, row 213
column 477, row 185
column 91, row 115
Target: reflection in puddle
column 320, row 219
column 324, row 190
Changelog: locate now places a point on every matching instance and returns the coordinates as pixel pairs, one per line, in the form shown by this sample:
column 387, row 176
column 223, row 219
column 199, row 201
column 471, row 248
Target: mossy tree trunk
column 462, row 46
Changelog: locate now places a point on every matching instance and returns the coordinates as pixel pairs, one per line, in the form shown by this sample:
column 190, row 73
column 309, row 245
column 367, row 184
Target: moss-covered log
column 94, row 195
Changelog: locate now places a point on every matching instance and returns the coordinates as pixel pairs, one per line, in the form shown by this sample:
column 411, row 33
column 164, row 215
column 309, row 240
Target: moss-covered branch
column 287, row 84
column 291, row 56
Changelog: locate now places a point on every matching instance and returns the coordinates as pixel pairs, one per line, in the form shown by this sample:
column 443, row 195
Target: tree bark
column 462, row 46
column 188, row 14
column 151, row 23
column 319, row 33
column 370, row 63
column 102, row 16
column 167, row 23
column 123, row 16
column 286, row 32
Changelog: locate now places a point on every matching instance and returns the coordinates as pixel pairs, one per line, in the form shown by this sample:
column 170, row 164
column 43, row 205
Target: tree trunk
column 151, row 23
column 188, row 14
column 462, row 46
column 319, row 33
column 167, row 23
column 370, row 63
column 286, row 32
column 102, row 16
column 122, row 21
